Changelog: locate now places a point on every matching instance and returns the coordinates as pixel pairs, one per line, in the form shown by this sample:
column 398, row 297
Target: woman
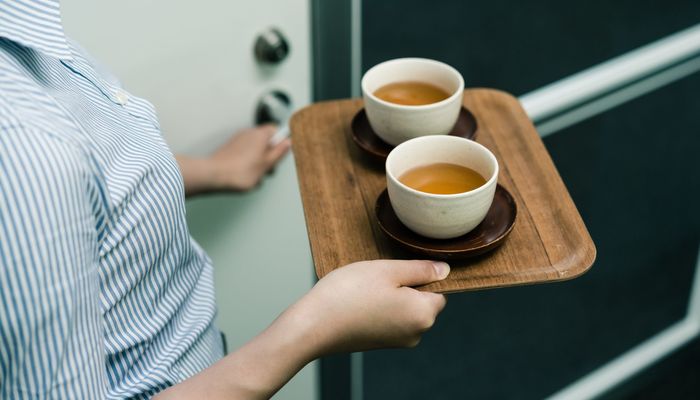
column 103, row 294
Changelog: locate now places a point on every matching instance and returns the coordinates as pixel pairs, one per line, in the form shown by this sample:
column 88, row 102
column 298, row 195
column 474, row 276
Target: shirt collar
column 35, row 24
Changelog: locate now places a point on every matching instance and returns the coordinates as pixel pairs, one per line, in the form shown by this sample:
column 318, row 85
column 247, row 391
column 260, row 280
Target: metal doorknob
column 274, row 106
column 271, row 46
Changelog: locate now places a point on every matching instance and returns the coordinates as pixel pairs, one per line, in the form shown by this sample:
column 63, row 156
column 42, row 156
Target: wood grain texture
column 340, row 184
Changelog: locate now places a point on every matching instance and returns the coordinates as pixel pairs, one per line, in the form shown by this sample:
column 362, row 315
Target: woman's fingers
column 416, row 272
column 277, row 151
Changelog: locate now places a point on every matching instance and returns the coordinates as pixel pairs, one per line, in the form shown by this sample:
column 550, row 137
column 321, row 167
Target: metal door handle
column 274, row 106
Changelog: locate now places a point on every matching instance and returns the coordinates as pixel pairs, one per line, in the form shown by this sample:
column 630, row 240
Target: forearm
column 197, row 174
column 261, row 367
column 361, row 306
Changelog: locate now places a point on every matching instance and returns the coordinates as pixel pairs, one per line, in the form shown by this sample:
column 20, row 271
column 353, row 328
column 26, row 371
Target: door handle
column 275, row 107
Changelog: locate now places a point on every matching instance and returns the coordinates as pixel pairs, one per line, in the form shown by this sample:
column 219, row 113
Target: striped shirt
column 103, row 293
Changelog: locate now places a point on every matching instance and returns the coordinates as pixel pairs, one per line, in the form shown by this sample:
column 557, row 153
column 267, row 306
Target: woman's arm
column 238, row 165
column 361, row 306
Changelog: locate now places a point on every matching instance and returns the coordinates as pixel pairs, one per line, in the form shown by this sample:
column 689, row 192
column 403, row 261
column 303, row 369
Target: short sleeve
column 51, row 332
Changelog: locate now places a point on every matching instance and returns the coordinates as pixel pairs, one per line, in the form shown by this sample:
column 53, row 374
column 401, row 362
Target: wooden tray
column 339, row 185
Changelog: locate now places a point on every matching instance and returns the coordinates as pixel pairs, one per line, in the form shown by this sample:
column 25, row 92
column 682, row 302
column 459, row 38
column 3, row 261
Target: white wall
column 193, row 61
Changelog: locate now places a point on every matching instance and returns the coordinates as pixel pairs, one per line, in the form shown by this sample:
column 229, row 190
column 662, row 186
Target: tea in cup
column 441, row 187
column 411, row 97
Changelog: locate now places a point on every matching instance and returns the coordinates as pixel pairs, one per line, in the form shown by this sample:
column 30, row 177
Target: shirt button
column 121, row 96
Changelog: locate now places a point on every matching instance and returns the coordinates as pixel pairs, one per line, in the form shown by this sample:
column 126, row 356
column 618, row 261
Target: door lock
column 271, row 47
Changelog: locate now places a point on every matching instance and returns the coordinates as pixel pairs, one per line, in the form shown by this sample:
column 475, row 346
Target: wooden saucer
column 367, row 140
column 488, row 235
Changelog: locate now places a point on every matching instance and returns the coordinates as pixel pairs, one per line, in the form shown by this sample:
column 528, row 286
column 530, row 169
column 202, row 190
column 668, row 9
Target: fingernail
column 441, row 268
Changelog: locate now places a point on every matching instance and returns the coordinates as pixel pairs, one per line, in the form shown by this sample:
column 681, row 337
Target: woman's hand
column 238, row 165
column 241, row 162
column 372, row 304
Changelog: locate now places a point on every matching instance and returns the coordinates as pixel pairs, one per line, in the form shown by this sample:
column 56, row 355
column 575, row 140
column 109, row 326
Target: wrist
column 323, row 328
column 274, row 356
column 304, row 331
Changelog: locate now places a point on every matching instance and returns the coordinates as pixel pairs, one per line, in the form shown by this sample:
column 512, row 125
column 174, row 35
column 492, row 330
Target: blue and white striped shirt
column 103, row 293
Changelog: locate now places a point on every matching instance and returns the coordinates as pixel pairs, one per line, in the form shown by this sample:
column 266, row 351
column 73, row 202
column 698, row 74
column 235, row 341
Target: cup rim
column 490, row 182
column 457, row 93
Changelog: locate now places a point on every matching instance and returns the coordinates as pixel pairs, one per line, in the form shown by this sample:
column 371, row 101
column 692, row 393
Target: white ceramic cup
column 441, row 216
column 396, row 123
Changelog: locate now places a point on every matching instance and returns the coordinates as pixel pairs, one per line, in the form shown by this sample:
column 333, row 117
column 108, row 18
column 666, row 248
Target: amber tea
column 442, row 178
column 411, row 93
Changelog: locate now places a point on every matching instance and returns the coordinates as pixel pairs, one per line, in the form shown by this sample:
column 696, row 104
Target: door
column 195, row 62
